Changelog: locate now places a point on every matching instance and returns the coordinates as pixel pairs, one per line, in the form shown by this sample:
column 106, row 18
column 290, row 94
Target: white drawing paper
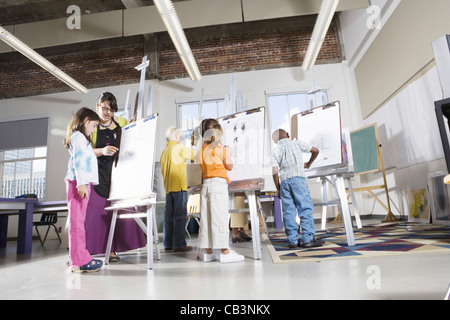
column 244, row 134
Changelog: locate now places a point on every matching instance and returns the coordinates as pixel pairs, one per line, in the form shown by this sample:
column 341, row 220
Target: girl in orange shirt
column 215, row 161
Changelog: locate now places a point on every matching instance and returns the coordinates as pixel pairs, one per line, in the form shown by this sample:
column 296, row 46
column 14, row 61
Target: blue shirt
column 288, row 156
column 82, row 165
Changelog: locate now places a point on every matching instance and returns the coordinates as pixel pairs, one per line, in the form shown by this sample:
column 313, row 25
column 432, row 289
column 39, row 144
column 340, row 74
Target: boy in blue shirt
column 288, row 167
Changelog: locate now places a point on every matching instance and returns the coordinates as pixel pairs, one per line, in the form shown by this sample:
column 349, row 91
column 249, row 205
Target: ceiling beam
column 146, row 20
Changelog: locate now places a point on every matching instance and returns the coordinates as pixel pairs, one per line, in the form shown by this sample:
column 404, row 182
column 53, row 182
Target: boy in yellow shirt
column 173, row 169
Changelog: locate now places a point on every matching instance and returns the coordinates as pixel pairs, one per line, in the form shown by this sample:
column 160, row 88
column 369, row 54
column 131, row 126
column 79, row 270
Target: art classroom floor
column 180, row 276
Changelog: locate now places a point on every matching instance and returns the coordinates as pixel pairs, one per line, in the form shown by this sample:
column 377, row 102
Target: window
column 22, row 171
column 23, row 157
column 283, row 106
column 188, row 114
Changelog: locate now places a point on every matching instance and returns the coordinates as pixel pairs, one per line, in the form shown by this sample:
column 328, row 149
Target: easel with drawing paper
column 336, row 177
column 244, row 133
column 128, row 195
column 132, row 176
column 250, row 188
column 368, row 158
column 134, row 209
column 321, row 128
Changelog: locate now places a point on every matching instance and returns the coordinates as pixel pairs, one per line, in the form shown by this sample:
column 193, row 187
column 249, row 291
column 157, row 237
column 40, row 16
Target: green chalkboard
column 365, row 149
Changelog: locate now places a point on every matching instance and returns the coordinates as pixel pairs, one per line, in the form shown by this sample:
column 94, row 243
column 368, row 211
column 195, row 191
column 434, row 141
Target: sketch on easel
column 132, row 178
column 244, row 134
column 321, row 128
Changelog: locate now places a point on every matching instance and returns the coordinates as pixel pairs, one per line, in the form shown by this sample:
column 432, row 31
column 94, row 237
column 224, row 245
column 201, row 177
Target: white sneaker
column 208, row 257
column 232, row 256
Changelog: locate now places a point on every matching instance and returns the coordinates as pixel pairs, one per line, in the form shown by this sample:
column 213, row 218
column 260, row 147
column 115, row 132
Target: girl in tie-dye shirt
column 82, row 172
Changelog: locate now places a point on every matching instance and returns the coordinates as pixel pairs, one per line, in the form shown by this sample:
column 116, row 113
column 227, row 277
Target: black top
column 106, row 137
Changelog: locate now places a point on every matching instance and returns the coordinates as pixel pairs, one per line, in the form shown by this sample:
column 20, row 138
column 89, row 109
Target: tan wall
column 401, row 50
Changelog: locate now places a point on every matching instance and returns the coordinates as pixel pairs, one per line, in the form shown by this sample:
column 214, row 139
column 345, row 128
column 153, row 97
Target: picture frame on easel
column 439, row 198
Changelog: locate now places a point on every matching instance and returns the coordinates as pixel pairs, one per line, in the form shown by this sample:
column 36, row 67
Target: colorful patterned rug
column 371, row 241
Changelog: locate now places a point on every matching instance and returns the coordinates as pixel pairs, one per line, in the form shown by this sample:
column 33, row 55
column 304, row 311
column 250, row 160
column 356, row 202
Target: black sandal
column 236, row 239
column 115, row 258
column 245, row 236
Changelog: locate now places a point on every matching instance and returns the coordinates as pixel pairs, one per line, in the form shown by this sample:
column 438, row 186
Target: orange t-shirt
column 212, row 162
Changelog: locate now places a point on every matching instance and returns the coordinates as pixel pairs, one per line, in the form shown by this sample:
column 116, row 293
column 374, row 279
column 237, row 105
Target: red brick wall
column 264, row 46
column 92, row 68
column 219, row 49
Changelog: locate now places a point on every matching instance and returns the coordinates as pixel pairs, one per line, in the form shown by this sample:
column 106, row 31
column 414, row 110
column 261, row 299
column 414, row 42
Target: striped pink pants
column 78, row 255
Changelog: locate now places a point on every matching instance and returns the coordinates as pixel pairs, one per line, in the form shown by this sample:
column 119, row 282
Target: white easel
column 150, row 229
column 335, row 175
column 324, row 180
column 250, row 187
column 134, row 206
column 142, row 69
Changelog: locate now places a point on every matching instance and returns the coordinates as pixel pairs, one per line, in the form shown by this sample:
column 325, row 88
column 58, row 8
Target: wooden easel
column 390, row 217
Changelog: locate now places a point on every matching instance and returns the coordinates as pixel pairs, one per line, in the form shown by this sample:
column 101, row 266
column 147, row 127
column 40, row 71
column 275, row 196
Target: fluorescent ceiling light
column 327, row 10
column 173, row 25
column 18, row 45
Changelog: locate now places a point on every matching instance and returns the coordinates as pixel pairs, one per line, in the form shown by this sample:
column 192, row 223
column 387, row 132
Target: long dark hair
column 108, row 96
column 77, row 124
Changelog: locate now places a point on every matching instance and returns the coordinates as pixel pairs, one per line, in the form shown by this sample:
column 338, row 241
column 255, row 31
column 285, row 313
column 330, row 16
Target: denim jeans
column 295, row 197
column 175, row 216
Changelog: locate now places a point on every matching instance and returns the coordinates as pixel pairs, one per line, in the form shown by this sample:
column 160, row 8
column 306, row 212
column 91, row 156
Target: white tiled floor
column 180, row 276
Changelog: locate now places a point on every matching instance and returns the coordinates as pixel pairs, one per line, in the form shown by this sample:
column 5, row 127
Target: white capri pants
column 214, row 216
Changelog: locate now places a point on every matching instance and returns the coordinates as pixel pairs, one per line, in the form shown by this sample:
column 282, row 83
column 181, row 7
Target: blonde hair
column 77, row 124
column 172, row 134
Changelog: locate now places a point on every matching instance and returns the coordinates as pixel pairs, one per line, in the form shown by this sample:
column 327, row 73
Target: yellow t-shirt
column 173, row 166
column 212, row 162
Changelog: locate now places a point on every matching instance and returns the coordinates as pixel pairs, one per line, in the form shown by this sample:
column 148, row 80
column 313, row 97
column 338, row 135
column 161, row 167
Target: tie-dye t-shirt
column 83, row 162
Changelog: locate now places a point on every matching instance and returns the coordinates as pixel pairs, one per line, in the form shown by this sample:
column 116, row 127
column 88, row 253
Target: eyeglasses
column 106, row 109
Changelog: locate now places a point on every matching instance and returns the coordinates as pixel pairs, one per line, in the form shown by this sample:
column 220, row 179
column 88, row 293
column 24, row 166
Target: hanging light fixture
column 324, row 18
column 24, row 49
column 173, row 25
